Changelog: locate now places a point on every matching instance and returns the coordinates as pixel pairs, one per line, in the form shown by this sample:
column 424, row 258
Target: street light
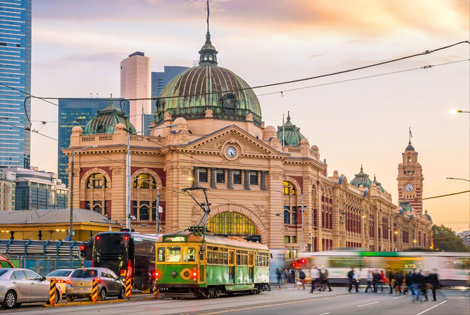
column 73, row 153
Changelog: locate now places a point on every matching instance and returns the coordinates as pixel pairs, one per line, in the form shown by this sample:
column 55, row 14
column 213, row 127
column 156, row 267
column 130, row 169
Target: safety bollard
column 94, row 290
column 52, row 292
column 156, row 290
column 128, row 287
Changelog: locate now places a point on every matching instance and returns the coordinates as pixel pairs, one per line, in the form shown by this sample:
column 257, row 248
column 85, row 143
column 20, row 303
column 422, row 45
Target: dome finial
column 361, row 168
column 208, row 52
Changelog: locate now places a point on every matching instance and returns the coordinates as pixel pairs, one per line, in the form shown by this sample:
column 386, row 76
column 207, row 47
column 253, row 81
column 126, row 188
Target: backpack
column 350, row 274
column 301, row 275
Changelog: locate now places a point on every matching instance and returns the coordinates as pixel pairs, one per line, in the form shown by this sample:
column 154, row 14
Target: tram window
column 173, row 254
column 225, row 258
column 190, row 254
column 161, row 254
column 230, row 258
column 238, row 259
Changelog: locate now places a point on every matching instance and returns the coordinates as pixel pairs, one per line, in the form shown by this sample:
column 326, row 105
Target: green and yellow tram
column 191, row 264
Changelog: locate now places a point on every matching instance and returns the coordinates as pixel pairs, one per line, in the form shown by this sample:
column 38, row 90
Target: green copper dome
column 289, row 134
column 208, row 86
column 106, row 120
column 405, row 205
column 361, row 179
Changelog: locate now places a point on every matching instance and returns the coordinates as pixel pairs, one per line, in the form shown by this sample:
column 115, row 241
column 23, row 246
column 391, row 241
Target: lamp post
column 73, row 153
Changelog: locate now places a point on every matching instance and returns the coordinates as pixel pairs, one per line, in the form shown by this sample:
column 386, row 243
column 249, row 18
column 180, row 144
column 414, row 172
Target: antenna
column 208, row 12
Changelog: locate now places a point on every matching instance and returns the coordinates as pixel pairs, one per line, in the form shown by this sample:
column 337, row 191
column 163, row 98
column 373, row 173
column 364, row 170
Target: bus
column 193, row 264
column 128, row 254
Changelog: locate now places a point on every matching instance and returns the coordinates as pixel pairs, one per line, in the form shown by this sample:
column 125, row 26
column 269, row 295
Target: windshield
column 59, row 273
column 85, row 273
column 3, row 271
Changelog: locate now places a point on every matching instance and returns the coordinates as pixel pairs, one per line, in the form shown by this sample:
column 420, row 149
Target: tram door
column 251, row 268
column 231, row 267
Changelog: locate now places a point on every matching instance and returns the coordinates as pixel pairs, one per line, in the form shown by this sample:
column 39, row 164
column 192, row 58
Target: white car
column 19, row 285
column 62, row 277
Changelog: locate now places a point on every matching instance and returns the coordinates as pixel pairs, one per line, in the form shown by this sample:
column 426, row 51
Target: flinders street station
column 264, row 182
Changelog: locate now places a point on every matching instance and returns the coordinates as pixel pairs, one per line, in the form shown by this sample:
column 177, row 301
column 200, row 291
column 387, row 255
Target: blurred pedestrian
column 301, row 282
column 369, row 280
column 398, row 282
column 315, row 275
column 390, row 279
column 279, row 277
column 383, row 280
column 325, row 281
column 424, row 282
column 434, row 283
column 376, row 280
column 415, row 287
column 352, row 277
column 407, row 282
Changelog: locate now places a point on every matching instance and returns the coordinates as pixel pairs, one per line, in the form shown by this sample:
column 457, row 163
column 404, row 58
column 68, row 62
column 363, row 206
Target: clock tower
column 410, row 179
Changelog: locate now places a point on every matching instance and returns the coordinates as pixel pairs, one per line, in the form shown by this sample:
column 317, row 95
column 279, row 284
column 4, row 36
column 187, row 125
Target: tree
column 445, row 239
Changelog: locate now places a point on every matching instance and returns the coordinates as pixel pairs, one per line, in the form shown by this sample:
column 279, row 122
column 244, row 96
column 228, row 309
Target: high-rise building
column 77, row 112
column 135, row 84
column 37, row 189
column 410, row 179
column 161, row 79
column 7, row 191
column 15, row 83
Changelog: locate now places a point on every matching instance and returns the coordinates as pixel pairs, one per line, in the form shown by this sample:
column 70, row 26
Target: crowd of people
column 415, row 283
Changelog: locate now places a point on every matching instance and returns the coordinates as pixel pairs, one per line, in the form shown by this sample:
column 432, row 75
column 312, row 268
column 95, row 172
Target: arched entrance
column 232, row 224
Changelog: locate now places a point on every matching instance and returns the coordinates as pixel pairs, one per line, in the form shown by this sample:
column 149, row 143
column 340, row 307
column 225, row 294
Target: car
column 79, row 285
column 62, row 276
column 18, row 285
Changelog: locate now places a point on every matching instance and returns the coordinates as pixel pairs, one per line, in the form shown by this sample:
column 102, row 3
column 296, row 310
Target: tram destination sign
column 174, row 238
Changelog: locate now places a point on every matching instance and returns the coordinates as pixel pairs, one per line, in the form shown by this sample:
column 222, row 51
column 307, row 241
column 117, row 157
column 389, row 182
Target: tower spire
column 208, row 53
column 208, row 12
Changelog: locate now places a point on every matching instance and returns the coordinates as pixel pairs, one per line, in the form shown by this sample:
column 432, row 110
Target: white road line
column 368, row 304
column 398, row 297
column 431, row 308
column 325, row 313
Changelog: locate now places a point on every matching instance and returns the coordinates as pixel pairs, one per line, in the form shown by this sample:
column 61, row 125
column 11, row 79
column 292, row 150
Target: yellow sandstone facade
column 209, row 133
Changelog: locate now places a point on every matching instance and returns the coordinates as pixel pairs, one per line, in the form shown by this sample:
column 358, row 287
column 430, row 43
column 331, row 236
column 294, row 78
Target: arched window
column 144, row 181
column 144, row 213
column 289, row 188
column 232, row 223
column 286, row 215
column 229, row 100
column 97, row 208
column 97, row 180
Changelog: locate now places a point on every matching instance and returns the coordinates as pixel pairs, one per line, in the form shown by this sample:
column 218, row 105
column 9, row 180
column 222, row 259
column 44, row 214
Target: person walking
column 407, row 282
column 352, row 277
column 434, row 283
column 325, row 281
column 390, row 280
column 376, row 280
column 424, row 280
column 414, row 287
column 279, row 278
column 315, row 275
column 398, row 282
column 369, row 280
column 302, row 277
column 383, row 280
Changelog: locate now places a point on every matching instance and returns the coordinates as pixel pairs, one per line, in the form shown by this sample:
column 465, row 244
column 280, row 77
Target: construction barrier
column 52, row 292
column 128, row 287
column 94, row 290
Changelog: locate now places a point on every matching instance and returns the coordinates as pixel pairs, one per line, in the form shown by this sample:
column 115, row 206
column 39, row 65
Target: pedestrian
column 279, row 277
column 407, row 282
column 292, row 276
column 301, row 282
column 325, row 280
column 390, row 280
column 398, row 282
column 315, row 275
column 376, row 280
column 414, row 287
column 434, row 283
column 352, row 277
column 424, row 281
column 369, row 279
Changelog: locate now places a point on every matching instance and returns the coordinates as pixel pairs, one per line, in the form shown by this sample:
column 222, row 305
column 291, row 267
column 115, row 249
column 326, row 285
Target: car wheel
column 102, row 294
column 10, row 300
column 57, row 297
column 69, row 298
column 121, row 294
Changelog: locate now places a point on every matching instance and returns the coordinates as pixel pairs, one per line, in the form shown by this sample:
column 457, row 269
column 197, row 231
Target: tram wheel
column 217, row 293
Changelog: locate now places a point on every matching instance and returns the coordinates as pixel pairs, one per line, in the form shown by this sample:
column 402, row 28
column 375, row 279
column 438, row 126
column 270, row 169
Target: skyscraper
column 161, row 79
column 77, row 112
column 135, row 84
column 15, row 81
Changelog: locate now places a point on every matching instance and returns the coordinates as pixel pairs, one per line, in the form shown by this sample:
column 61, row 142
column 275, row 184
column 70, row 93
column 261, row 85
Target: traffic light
column 82, row 251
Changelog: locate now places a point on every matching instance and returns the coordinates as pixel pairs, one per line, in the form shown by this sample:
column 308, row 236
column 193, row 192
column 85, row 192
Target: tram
column 192, row 264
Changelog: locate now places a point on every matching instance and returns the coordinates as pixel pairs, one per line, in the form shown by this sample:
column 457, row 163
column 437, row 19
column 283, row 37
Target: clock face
column 409, row 187
column 231, row 152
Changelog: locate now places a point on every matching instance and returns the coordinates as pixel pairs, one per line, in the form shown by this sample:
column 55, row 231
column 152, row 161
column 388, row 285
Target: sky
column 357, row 118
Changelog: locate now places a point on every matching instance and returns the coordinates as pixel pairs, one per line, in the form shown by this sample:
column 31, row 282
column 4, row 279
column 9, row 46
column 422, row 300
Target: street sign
column 302, row 248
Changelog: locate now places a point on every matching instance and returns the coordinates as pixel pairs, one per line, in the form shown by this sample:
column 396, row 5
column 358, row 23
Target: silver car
column 81, row 280
column 62, row 276
column 22, row 286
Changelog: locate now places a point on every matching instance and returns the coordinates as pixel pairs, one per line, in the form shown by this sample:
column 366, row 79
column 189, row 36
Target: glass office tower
column 77, row 112
column 15, row 81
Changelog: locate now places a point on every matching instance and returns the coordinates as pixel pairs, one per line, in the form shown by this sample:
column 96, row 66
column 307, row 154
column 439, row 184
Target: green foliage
column 445, row 240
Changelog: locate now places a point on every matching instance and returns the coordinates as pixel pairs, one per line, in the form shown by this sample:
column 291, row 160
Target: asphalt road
column 286, row 301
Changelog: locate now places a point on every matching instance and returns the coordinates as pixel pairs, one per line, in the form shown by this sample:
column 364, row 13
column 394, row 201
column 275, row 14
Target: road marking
column 325, row 313
column 367, row 304
column 398, row 297
column 431, row 308
column 273, row 305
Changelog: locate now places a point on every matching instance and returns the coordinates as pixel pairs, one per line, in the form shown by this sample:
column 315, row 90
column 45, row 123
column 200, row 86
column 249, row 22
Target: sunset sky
column 357, row 118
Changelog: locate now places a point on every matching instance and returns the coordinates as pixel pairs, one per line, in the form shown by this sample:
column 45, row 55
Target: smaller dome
column 409, row 147
column 180, row 121
column 289, row 133
column 304, row 141
column 361, row 179
column 315, row 148
column 106, row 120
column 270, row 129
column 378, row 184
column 405, row 205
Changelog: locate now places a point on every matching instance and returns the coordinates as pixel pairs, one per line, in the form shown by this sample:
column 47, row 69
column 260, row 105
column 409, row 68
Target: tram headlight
column 194, row 274
column 157, row 274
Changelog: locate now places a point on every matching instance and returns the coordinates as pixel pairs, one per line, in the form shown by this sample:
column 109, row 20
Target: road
column 286, row 301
